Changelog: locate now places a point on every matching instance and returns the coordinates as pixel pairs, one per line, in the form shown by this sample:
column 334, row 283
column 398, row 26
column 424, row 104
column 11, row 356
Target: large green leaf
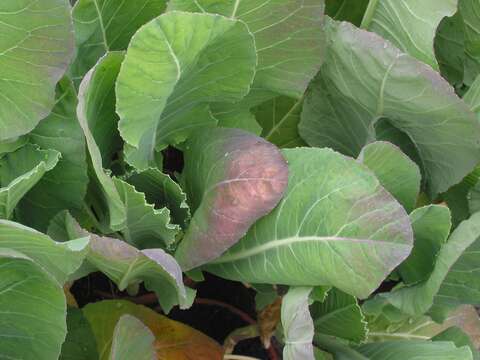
column 90, row 109
column 36, row 46
column 431, row 226
column 396, row 172
column 339, row 315
column 470, row 11
column 65, row 186
column 161, row 191
column 459, row 338
column 336, row 225
column 19, row 172
column 288, row 36
column 102, row 26
column 212, row 60
column 146, row 226
column 132, row 340
column 232, row 179
column 33, row 309
column 365, row 79
column 454, row 280
column 59, row 259
column 409, row 24
column 279, row 118
column 297, row 324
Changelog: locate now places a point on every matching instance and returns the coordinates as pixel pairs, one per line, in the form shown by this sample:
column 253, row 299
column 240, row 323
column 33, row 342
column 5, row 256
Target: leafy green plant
column 321, row 155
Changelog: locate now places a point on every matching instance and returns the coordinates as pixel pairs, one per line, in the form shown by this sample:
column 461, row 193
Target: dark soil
column 214, row 321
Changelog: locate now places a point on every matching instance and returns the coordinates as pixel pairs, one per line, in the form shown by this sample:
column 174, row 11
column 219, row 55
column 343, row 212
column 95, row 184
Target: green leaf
column 470, row 10
column 472, row 97
column 399, row 175
column 450, row 49
column 288, row 36
column 161, row 191
column 89, row 109
column 459, row 338
column 279, row 118
column 410, row 24
column 212, row 60
column 102, row 26
column 80, row 343
column 346, row 10
column 59, row 259
column 11, row 145
column 297, row 324
column 132, row 340
column 33, row 309
column 395, row 350
column 454, row 280
column 19, row 172
column 376, row 81
column 65, row 186
column 235, row 117
column 232, row 179
column 146, row 226
column 325, row 231
column 36, row 47
column 340, row 316
column 431, row 226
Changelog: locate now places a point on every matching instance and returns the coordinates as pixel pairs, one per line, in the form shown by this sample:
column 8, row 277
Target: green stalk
column 367, row 18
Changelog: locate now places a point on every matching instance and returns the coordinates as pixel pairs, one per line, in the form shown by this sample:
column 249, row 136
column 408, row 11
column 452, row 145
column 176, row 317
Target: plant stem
column 367, row 18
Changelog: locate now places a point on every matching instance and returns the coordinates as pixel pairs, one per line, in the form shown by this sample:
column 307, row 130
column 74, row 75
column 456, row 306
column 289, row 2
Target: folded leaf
column 212, row 60
column 297, row 325
column 90, row 104
column 161, row 191
column 431, row 226
column 146, row 226
column 454, row 280
column 336, row 225
column 132, row 340
column 173, row 340
column 288, row 36
column 59, row 259
column 33, row 309
column 399, row 175
column 232, row 178
column 410, row 25
column 19, row 172
column 65, row 186
column 339, row 315
column 364, row 79
column 36, row 47
column 102, row 26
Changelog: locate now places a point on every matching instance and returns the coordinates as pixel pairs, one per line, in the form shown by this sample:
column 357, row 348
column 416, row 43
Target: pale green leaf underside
column 89, row 101
column 132, row 340
column 36, row 46
column 297, row 324
column 33, row 309
column 365, row 79
column 326, row 230
column 411, row 25
column 169, row 77
column 288, row 36
column 19, row 172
